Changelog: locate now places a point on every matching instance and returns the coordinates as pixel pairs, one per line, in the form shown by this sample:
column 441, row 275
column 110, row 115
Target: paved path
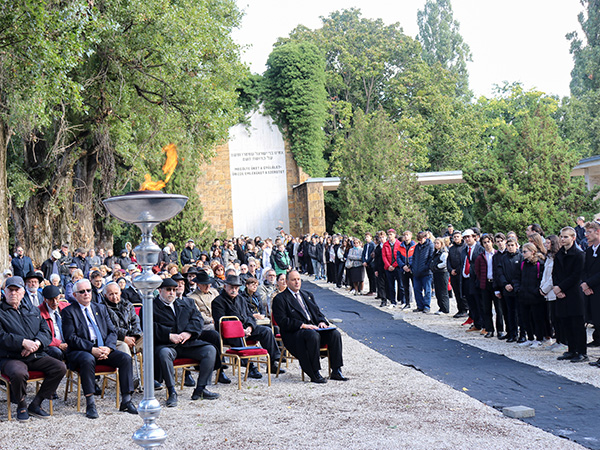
column 563, row 407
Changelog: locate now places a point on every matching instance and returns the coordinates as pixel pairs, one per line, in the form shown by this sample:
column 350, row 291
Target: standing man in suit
column 469, row 285
column 21, row 264
column 91, row 338
column 590, row 280
column 367, row 260
column 300, row 319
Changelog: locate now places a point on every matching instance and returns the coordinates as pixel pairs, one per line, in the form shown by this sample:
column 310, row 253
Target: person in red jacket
column 392, row 271
column 50, row 310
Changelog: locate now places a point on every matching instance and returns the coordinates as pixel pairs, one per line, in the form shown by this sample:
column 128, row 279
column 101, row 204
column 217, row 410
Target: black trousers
column 205, row 355
column 461, row 301
column 440, row 284
column 17, row 372
column 510, row 311
column 212, row 337
column 265, row 336
column 594, row 302
column 56, row 353
column 576, row 335
column 534, row 319
column 393, row 277
column 305, row 345
column 488, row 298
column 380, row 281
column 85, row 363
column 473, row 295
column 371, row 277
column 339, row 273
column 331, row 272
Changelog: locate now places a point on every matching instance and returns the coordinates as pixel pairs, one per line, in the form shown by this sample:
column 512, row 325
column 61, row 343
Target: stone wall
column 309, row 209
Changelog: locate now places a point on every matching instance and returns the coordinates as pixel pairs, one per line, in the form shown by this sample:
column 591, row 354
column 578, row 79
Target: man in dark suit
column 92, row 338
column 590, row 280
column 51, row 311
column 21, row 264
column 177, row 329
column 469, row 285
column 32, row 286
column 24, row 336
column 299, row 319
column 367, row 260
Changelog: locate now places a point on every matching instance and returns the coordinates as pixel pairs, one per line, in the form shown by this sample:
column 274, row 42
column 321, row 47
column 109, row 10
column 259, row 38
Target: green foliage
column 585, row 75
column 378, row 189
column 523, row 174
column 295, row 97
column 442, row 42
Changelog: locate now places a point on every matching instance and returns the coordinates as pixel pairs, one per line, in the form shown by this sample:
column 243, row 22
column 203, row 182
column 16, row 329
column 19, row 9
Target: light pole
column 146, row 209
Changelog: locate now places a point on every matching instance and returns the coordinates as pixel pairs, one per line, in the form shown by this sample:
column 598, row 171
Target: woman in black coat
column 532, row 304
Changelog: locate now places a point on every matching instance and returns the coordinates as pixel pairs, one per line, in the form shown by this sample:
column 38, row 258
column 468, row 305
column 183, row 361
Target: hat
column 191, row 270
column 79, row 250
column 450, row 225
column 177, row 277
column 168, row 282
column 233, row 280
column 34, row 274
column 123, row 251
column 131, row 267
column 50, row 292
column 391, row 230
column 56, row 254
column 202, row 278
column 15, row 281
column 468, row 232
column 73, row 266
column 190, row 240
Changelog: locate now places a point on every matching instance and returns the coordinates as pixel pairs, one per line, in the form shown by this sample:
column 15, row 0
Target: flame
column 168, row 169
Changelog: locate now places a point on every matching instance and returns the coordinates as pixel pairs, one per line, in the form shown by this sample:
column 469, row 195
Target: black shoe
column 38, row 412
column 406, row 306
column 128, row 407
column 97, row 389
column 593, row 344
column 22, row 414
column 336, row 374
column 157, row 386
column 383, row 303
column 91, row 412
column 202, row 393
column 579, row 358
column 189, row 380
column 54, row 396
column 489, row 334
column 223, row 379
column 502, row 335
column 566, row 356
column 417, row 310
column 595, row 363
column 521, row 340
column 254, row 373
column 172, row 400
column 460, row 315
column 274, row 369
column 318, row 379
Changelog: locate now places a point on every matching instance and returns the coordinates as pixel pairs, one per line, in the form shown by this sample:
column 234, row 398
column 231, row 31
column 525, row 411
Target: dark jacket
column 477, row 250
column 481, row 267
column 187, row 318
column 75, row 328
column 436, row 260
column 17, row 325
column 254, row 303
column 313, row 251
column 367, row 254
column 566, row 274
column 378, row 264
column 84, row 265
column 131, row 295
column 47, row 267
column 22, row 266
column 509, row 272
column 224, row 305
column 288, row 313
column 124, row 318
column 405, row 254
column 190, row 255
column 422, row 259
column 454, row 259
column 531, row 276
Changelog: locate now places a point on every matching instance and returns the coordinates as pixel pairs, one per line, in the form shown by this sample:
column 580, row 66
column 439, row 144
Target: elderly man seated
column 203, row 296
column 92, row 339
column 23, row 337
column 230, row 303
column 177, row 329
column 51, row 311
column 125, row 320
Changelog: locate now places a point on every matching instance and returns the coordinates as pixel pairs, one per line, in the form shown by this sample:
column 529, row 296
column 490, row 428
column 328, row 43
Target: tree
column 378, row 187
column 156, row 72
column 442, row 42
column 295, row 97
column 523, row 174
column 585, row 75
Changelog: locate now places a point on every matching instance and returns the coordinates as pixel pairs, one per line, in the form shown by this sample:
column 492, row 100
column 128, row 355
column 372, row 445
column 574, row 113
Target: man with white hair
column 92, row 339
column 51, row 265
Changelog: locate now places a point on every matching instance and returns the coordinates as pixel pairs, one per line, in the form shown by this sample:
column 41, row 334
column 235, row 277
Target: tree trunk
column 83, row 201
column 4, row 244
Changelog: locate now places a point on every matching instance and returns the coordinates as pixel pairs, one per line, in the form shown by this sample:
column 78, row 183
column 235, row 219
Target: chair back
column 231, row 327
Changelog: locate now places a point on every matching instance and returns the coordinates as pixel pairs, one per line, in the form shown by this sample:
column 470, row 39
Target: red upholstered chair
column 230, row 327
column 187, row 365
column 105, row 371
column 34, row 377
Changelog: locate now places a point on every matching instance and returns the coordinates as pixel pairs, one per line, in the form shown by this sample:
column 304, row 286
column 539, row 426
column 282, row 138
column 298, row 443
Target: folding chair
column 34, row 377
column 101, row 370
column 230, row 327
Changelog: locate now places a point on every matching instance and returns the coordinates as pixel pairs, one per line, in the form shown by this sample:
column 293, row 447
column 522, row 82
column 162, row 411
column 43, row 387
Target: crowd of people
column 81, row 309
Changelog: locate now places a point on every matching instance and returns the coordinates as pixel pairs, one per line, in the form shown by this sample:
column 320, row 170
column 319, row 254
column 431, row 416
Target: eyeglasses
column 170, row 289
column 84, row 291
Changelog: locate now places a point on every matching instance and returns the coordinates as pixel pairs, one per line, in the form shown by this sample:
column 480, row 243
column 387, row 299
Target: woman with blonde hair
column 532, row 304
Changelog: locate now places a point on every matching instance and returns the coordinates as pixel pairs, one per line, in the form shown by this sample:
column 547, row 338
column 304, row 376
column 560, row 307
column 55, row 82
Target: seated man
column 92, row 339
column 203, row 296
column 299, row 319
column 229, row 303
column 250, row 295
column 177, row 329
column 23, row 337
column 32, row 288
column 51, row 311
column 125, row 320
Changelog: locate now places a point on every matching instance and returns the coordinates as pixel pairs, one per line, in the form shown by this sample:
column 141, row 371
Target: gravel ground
column 384, row 405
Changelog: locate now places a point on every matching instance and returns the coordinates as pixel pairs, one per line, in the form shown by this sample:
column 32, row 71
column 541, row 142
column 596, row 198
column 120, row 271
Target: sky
column 510, row 40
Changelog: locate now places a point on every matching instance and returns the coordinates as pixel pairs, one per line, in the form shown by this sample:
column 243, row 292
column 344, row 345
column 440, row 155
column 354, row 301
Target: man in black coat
column 566, row 277
column 454, row 268
column 230, row 303
column 92, row 338
column 469, row 283
column 368, row 262
column 177, row 329
column 300, row 319
column 379, row 267
column 590, row 280
column 23, row 337
column 21, row 264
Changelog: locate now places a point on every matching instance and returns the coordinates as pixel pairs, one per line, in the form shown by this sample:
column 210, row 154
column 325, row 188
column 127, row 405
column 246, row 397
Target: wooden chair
column 34, row 377
column 230, row 327
column 108, row 372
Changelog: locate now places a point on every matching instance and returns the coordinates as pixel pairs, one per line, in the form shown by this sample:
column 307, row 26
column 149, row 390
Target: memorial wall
column 257, row 165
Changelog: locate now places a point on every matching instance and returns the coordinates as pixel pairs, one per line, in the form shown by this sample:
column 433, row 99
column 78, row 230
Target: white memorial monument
column 258, row 178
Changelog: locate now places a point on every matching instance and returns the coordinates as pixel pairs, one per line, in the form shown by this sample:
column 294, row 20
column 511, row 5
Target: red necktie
column 468, row 262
